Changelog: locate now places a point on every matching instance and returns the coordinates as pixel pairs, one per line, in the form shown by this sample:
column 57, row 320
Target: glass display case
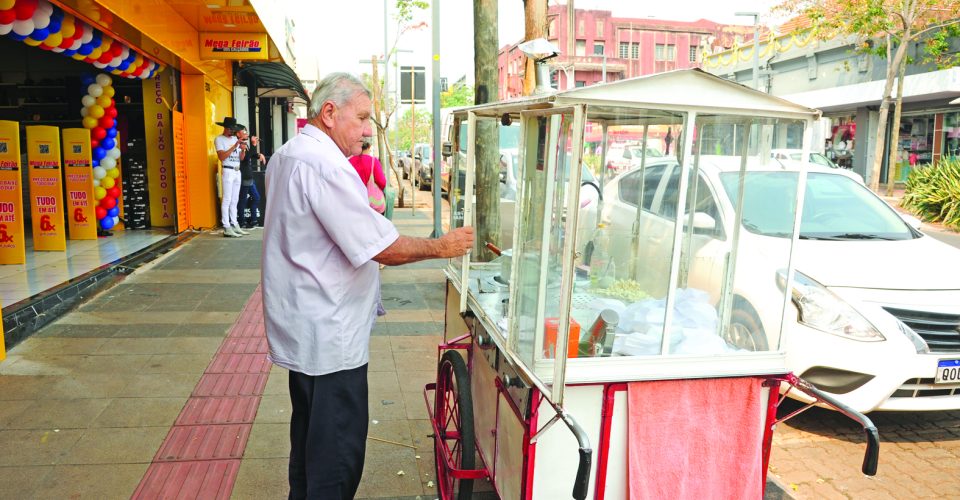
column 625, row 236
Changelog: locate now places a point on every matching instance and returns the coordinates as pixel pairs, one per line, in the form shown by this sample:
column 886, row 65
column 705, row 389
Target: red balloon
column 8, row 16
column 113, row 103
column 94, row 143
column 25, row 9
column 101, row 212
column 105, row 57
column 66, row 43
column 114, row 192
column 98, row 133
column 111, row 112
column 106, row 122
column 108, row 202
column 116, row 49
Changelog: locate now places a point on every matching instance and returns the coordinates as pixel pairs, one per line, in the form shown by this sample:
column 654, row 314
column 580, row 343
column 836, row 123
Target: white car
column 875, row 315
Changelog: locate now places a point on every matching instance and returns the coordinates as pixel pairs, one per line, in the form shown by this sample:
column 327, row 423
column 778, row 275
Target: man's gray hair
column 338, row 88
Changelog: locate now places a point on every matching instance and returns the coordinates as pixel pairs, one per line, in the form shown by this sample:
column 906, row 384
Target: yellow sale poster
column 46, row 188
column 78, row 176
column 12, row 244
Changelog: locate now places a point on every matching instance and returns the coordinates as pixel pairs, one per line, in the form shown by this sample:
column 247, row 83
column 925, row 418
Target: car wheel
column 424, row 186
column 745, row 330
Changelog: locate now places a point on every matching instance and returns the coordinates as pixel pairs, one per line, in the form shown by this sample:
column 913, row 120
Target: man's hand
column 456, row 242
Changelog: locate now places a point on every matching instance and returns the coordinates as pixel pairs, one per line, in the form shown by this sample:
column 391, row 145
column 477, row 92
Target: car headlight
column 824, row 310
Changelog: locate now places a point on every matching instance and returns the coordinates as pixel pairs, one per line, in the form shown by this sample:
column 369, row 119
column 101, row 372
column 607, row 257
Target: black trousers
column 328, row 434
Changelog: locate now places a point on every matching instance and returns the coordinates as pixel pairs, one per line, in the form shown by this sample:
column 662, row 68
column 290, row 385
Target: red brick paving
column 200, row 456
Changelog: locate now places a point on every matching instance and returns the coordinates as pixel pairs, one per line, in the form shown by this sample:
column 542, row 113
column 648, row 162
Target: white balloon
column 24, row 27
column 76, row 44
column 96, row 183
column 45, row 6
column 88, row 100
column 114, row 153
column 107, row 163
column 116, row 219
column 125, row 53
column 84, row 112
column 40, row 19
column 100, row 172
column 99, row 65
column 104, row 80
column 5, row 28
column 95, row 90
column 57, row 50
column 87, row 34
column 115, row 62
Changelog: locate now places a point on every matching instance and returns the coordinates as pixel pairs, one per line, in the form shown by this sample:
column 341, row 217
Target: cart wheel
column 453, row 410
column 746, row 331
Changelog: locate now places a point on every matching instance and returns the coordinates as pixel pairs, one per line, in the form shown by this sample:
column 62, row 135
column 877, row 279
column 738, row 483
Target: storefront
column 130, row 96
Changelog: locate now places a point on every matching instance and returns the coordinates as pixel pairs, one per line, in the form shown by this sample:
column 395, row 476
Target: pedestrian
column 370, row 171
column 230, row 151
column 249, row 199
column 321, row 285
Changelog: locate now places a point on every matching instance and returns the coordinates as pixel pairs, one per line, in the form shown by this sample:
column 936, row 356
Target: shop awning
column 275, row 79
column 943, row 84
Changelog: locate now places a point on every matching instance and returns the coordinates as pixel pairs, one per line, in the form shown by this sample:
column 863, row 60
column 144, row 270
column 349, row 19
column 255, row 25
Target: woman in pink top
column 362, row 163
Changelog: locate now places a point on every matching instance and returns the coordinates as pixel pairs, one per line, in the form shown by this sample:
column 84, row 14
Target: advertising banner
column 180, row 167
column 12, row 244
column 46, row 188
column 78, row 176
column 233, row 46
column 157, row 93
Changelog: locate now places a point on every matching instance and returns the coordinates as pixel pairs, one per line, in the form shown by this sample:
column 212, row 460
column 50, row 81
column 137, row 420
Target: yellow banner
column 180, row 167
column 233, row 46
column 78, row 176
column 157, row 94
column 12, row 244
column 46, row 188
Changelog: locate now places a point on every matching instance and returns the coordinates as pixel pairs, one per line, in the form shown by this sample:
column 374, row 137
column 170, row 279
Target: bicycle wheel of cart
column 453, row 410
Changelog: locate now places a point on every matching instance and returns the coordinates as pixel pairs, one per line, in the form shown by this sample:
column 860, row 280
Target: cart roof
column 681, row 90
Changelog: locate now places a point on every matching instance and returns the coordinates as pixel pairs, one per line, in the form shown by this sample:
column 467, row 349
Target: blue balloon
column 112, row 132
column 17, row 37
column 96, row 163
column 40, row 34
column 124, row 65
column 107, row 143
column 113, row 212
column 85, row 49
column 107, row 223
column 54, row 26
column 57, row 13
column 87, row 80
column 99, row 153
column 68, row 52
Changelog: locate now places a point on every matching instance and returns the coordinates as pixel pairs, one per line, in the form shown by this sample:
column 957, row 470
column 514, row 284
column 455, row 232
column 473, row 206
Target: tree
column 886, row 28
column 460, row 94
column 487, row 161
column 422, row 127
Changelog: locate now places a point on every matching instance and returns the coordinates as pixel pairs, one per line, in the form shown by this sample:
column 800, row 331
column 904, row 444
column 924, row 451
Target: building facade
column 601, row 45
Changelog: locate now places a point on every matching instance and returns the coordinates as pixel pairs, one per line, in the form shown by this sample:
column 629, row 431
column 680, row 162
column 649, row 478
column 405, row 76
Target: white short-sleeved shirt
column 223, row 143
column 320, row 286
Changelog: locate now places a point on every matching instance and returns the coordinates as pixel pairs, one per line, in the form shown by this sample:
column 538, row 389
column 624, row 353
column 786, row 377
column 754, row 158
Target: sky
column 337, row 35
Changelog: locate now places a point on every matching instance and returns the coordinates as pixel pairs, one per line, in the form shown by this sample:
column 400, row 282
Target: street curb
column 775, row 490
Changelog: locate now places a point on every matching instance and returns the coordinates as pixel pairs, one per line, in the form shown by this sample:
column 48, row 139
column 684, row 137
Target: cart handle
column 871, row 457
column 582, row 480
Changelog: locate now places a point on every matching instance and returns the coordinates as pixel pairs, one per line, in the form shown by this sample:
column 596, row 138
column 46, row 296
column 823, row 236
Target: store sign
column 157, row 92
column 46, row 188
column 78, row 173
column 233, row 46
column 12, row 245
column 180, row 167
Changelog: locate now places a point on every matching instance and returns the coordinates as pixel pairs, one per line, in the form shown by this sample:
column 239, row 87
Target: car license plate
column 948, row 371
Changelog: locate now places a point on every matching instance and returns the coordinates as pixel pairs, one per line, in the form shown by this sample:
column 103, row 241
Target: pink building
column 633, row 47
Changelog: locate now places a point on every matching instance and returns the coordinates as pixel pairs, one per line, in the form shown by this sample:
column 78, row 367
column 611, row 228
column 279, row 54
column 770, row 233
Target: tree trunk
column 882, row 121
column 379, row 112
column 895, row 135
column 487, row 180
column 535, row 26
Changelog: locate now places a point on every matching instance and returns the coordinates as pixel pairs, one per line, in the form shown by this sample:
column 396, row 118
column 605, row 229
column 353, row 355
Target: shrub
column 933, row 192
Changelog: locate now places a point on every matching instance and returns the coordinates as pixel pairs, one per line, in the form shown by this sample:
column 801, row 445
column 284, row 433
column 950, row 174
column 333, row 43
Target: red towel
column 698, row 438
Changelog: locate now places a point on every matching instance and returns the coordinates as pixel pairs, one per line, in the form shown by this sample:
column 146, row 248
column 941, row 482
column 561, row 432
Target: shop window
column 914, row 145
column 951, row 134
column 598, row 48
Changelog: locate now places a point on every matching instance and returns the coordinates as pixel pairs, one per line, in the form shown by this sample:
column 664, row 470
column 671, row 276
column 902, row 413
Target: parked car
column 796, row 155
column 622, row 157
column 423, row 166
column 405, row 163
column 875, row 312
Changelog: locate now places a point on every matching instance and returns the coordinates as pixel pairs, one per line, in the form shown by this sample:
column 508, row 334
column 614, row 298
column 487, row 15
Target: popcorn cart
column 620, row 300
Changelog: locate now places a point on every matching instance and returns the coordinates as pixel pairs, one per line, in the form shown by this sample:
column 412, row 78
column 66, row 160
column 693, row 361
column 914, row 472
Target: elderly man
column 321, row 285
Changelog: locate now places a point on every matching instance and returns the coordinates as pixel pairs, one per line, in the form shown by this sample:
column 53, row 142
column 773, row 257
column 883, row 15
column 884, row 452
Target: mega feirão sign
column 237, row 46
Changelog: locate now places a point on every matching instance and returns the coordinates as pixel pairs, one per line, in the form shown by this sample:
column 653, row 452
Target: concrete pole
column 437, row 147
column 414, row 170
column 756, row 46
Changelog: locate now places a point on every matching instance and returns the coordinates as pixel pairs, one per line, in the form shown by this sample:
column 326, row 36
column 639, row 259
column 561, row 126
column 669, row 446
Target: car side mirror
column 702, row 222
column 911, row 221
column 417, row 157
column 446, row 150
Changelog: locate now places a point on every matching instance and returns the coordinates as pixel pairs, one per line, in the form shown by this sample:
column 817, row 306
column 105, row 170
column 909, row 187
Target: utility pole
column 413, row 142
column 756, row 46
column 437, row 147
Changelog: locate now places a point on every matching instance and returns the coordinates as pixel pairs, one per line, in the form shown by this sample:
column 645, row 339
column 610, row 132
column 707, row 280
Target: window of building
column 598, row 48
column 581, row 83
column 664, row 52
column 552, row 29
column 581, row 48
column 635, row 50
column 693, row 53
column 599, row 29
column 624, row 50
column 580, row 29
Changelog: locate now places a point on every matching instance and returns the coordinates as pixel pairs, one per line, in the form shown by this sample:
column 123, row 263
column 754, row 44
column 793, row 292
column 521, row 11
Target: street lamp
column 756, row 46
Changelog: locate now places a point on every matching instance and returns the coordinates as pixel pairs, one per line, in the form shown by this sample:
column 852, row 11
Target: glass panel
column 455, row 166
column 624, row 242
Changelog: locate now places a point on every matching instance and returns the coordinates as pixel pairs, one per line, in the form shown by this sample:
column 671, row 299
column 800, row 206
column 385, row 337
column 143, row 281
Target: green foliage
column 424, row 123
column 459, row 95
column 933, row 192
